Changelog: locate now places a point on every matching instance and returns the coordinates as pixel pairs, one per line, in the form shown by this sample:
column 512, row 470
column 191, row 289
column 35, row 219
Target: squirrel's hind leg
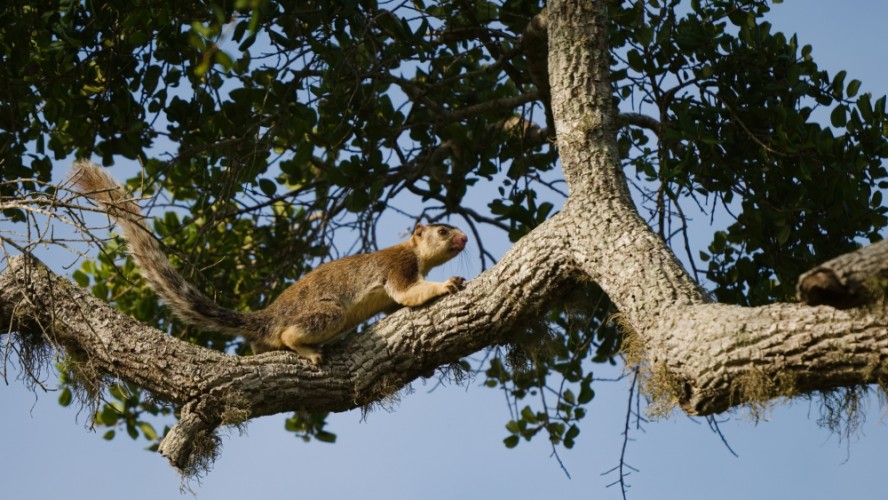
column 294, row 337
column 308, row 331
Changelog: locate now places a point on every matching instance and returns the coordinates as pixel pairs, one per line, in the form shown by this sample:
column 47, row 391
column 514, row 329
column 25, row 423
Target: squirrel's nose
column 460, row 241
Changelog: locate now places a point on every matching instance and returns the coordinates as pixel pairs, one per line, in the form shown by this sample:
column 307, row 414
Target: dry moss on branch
column 206, row 447
column 843, row 411
column 86, row 382
column 235, row 411
column 656, row 383
column 631, row 344
column 386, row 395
column 661, row 388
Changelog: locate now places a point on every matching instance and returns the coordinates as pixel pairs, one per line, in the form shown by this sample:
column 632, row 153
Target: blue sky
column 447, row 442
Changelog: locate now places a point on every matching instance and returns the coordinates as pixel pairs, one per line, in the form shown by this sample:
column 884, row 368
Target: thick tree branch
column 612, row 235
column 712, row 357
column 218, row 389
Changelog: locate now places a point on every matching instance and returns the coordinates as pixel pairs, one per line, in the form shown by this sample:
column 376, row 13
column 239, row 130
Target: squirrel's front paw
column 455, row 284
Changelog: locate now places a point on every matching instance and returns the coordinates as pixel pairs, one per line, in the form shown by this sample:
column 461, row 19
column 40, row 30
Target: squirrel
column 329, row 300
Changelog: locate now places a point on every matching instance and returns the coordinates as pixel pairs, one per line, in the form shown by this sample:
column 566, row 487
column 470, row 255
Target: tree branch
column 218, row 389
column 640, row 120
column 849, row 280
column 610, row 234
column 711, row 357
column 502, row 104
column 535, row 45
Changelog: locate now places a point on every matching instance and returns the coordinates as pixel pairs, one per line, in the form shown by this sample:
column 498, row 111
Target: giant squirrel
column 329, row 300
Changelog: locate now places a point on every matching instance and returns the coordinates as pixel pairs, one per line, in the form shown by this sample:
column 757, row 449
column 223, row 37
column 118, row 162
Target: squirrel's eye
column 442, row 232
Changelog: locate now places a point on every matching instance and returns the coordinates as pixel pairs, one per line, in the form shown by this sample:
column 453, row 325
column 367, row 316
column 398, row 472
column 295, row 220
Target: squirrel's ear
column 417, row 231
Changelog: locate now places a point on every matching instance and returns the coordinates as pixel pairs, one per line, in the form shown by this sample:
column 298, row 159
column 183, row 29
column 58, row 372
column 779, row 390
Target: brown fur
column 330, row 300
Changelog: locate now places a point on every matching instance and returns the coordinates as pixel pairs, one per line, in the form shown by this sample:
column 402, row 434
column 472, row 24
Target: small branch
column 743, row 126
column 535, row 44
column 532, row 134
column 640, row 120
column 714, row 427
column 459, row 34
column 624, row 487
column 503, row 104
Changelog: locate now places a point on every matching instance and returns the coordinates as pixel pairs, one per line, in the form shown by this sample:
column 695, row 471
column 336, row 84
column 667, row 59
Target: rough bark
column 704, row 357
column 711, row 357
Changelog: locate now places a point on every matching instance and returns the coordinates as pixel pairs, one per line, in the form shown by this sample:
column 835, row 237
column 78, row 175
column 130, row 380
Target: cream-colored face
column 439, row 243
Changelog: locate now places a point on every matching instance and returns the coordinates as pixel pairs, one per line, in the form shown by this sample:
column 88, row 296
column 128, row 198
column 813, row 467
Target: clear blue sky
column 448, row 443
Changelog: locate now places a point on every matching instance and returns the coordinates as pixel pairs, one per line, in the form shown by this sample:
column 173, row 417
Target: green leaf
column 65, row 397
column 838, row 117
column 513, row 427
column 853, row 87
column 118, row 392
column 586, row 394
column 148, row 431
column 223, row 59
column 635, row 61
column 740, row 18
column 528, row 415
column 80, row 278
column 108, row 416
column 572, row 432
column 783, row 234
column 570, row 436
column 326, row 437
column 267, row 186
column 838, row 84
column 568, row 396
column 511, row 441
column 864, row 104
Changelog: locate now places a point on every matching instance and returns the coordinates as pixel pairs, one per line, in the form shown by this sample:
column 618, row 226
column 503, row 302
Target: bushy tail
column 186, row 301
